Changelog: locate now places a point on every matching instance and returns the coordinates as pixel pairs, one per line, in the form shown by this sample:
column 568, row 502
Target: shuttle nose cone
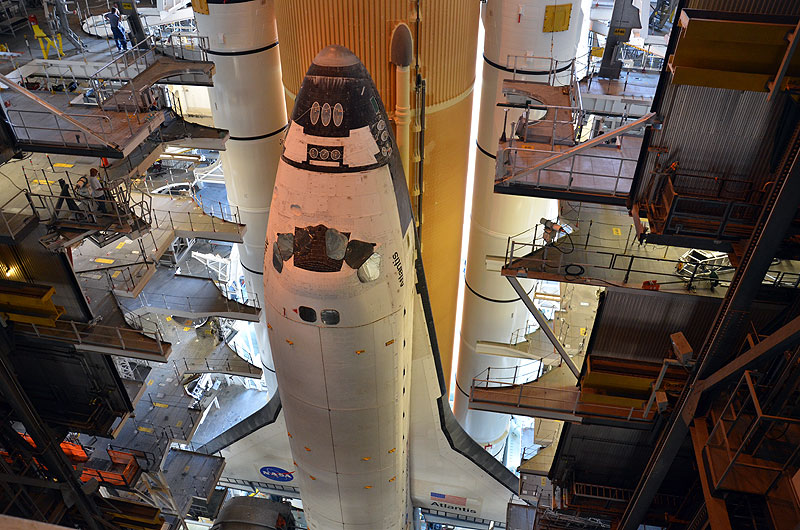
column 335, row 56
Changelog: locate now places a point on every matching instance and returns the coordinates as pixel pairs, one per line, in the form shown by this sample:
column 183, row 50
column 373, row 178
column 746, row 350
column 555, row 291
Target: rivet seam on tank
column 359, row 352
column 390, row 342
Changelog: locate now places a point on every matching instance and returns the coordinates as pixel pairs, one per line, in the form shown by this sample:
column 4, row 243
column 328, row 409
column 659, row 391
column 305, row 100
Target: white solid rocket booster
column 247, row 100
column 512, row 31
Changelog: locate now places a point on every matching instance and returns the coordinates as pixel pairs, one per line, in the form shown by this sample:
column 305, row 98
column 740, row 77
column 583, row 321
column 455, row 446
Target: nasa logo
column 277, row 474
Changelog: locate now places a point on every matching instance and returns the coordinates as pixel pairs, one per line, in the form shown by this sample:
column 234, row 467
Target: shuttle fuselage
column 338, row 276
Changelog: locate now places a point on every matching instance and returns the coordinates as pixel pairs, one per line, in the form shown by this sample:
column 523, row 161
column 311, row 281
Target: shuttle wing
column 449, row 471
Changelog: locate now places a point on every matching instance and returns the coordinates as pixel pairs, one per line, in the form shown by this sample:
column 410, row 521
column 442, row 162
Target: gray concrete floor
column 98, row 49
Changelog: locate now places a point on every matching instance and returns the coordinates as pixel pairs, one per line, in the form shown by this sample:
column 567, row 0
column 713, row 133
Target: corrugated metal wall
column 364, row 26
column 771, row 7
column 636, row 324
column 718, row 132
column 30, row 262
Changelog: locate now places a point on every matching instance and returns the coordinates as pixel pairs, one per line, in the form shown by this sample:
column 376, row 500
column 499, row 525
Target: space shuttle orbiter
column 370, row 434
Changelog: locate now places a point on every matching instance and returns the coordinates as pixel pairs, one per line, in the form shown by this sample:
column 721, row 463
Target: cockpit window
column 335, row 244
column 311, row 249
column 370, row 270
column 329, row 317
column 357, row 253
column 322, row 249
column 307, row 313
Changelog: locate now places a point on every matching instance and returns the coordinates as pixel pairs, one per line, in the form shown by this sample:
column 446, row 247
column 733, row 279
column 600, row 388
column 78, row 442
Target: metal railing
column 513, row 375
column 182, row 45
column 14, row 212
column 741, row 437
column 66, row 131
column 83, row 333
column 520, row 335
column 164, row 433
column 596, row 261
column 124, row 67
column 570, row 116
column 232, row 482
column 115, row 80
column 563, row 175
column 211, row 365
column 553, row 400
column 633, row 56
column 455, row 518
column 223, row 219
column 124, row 277
column 124, row 96
column 117, row 209
column 200, row 304
column 553, row 68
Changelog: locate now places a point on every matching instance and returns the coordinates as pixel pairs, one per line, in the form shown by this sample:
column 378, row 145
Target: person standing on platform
column 91, row 188
column 114, row 18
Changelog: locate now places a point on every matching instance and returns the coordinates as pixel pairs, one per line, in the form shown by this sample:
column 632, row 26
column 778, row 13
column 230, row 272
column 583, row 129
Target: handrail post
column 75, row 329
column 121, row 341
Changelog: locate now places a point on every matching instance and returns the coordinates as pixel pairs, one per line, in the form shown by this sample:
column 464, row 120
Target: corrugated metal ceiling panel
column 771, row 7
column 719, row 132
column 634, row 324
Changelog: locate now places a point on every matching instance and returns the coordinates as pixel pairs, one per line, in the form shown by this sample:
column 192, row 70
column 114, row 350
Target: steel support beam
column 715, row 507
column 543, row 325
column 784, row 338
column 779, row 210
column 597, row 140
column 624, row 18
column 27, row 481
column 774, row 86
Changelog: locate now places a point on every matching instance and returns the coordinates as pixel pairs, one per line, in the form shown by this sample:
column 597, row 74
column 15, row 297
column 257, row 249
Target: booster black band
column 484, row 151
column 243, row 52
column 260, row 273
column 529, row 72
column 259, row 137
